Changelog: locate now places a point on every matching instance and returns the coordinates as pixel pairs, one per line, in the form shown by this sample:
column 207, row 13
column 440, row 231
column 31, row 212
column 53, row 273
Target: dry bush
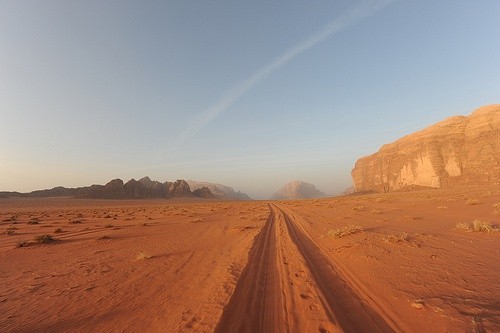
column 43, row 239
column 477, row 225
column 473, row 202
column 23, row 244
column 58, row 231
column 34, row 220
column 143, row 255
column 397, row 238
column 359, row 208
column 462, row 226
column 345, row 231
column 104, row 237
column 483, row 226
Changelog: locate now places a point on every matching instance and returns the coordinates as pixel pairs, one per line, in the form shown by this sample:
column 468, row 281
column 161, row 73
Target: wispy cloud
column 362, row 10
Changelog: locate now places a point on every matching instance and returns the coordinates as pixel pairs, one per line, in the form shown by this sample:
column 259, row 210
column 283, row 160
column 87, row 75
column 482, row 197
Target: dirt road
column 289, row 285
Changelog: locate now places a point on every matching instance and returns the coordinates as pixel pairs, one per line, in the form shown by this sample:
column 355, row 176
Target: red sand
column 200, row 266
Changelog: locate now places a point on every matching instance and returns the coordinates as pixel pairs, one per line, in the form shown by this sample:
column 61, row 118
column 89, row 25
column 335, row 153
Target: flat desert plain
column 396, row 262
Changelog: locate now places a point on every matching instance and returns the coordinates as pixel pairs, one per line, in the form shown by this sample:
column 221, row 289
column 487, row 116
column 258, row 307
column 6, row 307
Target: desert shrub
column 105, row 237
column 463, row 226
column 359, row 208
column 58, row 231
column 43, row 239
column 34, row 220
column 143, row 255
column 397, row 238
column 345, row 231
column 473, row 202
column 477, row 225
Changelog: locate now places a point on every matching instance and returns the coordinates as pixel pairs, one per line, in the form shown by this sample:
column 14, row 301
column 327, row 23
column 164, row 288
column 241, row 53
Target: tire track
column 351, row 312
column 256, row 304
column 289, row 285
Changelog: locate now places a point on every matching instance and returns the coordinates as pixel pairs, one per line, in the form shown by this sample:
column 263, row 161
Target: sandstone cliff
column 457, row 151
column 298, row 190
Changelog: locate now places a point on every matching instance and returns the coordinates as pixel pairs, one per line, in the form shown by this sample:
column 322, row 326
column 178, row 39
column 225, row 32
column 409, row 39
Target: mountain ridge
column 117, row 189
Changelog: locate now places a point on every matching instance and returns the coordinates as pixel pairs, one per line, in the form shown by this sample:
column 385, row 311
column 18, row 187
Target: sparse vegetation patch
column 397, row 238
column 478, row 226
column 473, row 202
column 143, row 255
column 345, row 231
column 34, row 220
column 43, row 239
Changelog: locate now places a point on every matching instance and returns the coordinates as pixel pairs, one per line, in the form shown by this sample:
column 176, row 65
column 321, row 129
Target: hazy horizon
column 249, row 95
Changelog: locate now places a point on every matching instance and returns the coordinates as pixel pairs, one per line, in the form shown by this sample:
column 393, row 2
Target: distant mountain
column 219, row 191
column 116, row 189
column 298, row 190
column 349, row 190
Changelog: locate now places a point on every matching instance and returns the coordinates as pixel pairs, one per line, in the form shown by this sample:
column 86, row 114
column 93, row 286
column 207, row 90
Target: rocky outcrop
column 298, row 190
column 219, row 191
column 116, row 189
column 135, row 189
column 179, row 188
column 458, row 151
column 203, row 192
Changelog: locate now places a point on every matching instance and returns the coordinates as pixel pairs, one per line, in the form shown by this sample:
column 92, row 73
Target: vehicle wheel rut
column 289, row 285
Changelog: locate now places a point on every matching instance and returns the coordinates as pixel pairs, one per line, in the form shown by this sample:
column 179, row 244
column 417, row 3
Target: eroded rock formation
column 457, row 151
column 298, row 190
column 219, row 191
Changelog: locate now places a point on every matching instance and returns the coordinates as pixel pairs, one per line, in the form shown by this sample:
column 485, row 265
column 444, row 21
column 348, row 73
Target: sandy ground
column 283, row 266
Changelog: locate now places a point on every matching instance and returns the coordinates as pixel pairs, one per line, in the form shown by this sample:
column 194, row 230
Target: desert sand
column 395, row 262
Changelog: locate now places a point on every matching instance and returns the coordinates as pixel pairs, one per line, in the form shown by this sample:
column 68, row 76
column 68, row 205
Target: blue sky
column 251, row 94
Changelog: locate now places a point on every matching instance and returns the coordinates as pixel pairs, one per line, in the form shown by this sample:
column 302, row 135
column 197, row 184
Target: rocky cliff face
column 116, row 189
column 179, row 188
column 219, row 191
column 457, row 151
column 203, row 192
column 298, row 190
